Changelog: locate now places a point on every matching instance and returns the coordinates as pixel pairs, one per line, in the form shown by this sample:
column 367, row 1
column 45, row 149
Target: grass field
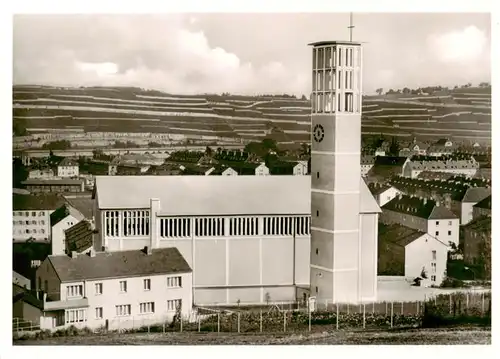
column 327, row 337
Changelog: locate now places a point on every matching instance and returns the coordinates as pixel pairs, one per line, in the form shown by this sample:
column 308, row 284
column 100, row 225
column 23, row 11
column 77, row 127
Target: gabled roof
column 53, row 182
column 28, row 297
column 485, row 203
column 368, row 204
column 79, row 237
column 68, row 162
column 378, row 188
column 398, row 234
column 64, row 211
column 418, row 207
column 476, row 194
column 122, row 264
column 84, row 204
column 37, row 202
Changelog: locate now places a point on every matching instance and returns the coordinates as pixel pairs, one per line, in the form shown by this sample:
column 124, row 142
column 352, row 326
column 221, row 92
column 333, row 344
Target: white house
column 41, row 174
column 383, row 193
column 68, row 168
column 424, row 215
column 412, row 253
column 117, row 290
column 229, row 172
column 300, row 169
column 31, row 216
column 262, row 170
column 61, row 219
column 415, row 166
column 472, row 196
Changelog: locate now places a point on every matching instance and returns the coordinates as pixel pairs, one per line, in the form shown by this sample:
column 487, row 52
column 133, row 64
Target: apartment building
column 66, row 185
column 31, row 216
column 117, row 290
column 68, row 168
column 422, row 214
column 457, row 166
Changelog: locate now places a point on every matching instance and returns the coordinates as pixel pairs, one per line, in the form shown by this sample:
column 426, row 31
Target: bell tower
column 336, row 171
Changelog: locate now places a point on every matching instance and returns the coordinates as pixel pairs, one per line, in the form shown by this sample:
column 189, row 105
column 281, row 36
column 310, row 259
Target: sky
column 245, row 53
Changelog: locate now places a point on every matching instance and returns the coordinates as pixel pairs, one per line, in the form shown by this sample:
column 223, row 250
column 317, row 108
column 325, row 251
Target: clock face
column 319, row 133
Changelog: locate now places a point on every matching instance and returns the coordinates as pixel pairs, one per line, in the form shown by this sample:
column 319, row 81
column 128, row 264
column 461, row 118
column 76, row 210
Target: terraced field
column 462, row 113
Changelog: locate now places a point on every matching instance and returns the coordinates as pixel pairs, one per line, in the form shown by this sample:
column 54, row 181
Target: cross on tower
column 350, row 27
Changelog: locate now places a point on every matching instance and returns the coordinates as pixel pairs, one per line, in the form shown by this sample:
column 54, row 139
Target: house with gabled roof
column 472, row 196
column 422, row 214
column 114, row 290
column 68, row 168
column 386, row 167
column 405, row 251
column 60, row 220
column 482, row 208
column 383, row 192
column 467, row 166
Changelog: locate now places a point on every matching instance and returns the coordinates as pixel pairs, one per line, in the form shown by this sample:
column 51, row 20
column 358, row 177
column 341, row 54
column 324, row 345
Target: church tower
column 336, row 171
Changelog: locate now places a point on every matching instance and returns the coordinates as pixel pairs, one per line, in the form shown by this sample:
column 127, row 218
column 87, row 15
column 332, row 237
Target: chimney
column 44, row 297
column 155, row 207
column 74, row 254
column 425, row 201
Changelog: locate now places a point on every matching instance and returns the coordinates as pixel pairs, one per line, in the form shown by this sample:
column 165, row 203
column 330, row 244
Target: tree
column 303, row 98
column 208, row 152
column 406, row 91
column 379, row 91
column 269, row 143
column 394, row 147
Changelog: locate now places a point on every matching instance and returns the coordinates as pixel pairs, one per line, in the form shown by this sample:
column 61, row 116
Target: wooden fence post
column 373, row 307
column 261, row 320
column 181, row 324
column 467, row 301
column 392, row 312
column 418, row 307
column 309, row 319
column 284, row 321
column 148, row 328
column 435, row 300
column 199, row 324
column 482, row 303
column 163, row 328
column 450, row 302
column 386, row 310
column 364, row 316
column 238, row 322
column 347, row 308
column 337, row 317
column 218, row 322
column 402, row 312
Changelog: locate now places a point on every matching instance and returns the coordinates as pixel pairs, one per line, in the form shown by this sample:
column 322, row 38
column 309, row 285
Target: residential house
column 457, row 193
column 26, row 309
column 66, row 185
column 68, row 168
column 115, row 290
column 482, row 208
column 464, row 166
column 46, row 173
column 473, row 196
column 405, row 251
column 442, row 147
column 60, row 220
column 477, row 245
column 367, row 163
column 228, row 172
column 424, row 215
column 415, row 148
column 31, row 216
column 383, row 193
column 246, row 168
column 386, row 167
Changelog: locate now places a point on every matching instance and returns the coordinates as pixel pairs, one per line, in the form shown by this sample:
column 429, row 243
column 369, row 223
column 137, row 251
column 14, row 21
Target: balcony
column 65, row 304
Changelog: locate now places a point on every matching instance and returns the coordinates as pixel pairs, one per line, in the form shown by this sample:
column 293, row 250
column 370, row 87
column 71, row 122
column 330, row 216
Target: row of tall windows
column 328, row 57
column 126, row 223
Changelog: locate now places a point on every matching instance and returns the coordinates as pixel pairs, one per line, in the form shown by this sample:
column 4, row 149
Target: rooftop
column 215, row 195
column 67, row 161
column 398, row 234
column 80, row 236
column 62, row 212
column 485, row 203
column 378, row 188
column 36, row 202
column 418, row 207
column 123, row 264
column 333, row 43
column 481, row 224
column 84, row 204
column 477, row 194
column 53, row 182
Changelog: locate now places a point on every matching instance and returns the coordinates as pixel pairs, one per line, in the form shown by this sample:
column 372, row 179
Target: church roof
column 215, row 195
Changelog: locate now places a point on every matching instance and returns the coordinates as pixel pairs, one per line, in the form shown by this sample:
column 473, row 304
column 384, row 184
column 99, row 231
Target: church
column 259, row 239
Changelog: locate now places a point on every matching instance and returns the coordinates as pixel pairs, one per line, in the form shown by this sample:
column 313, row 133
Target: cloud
column 462, row 46
column 144, row 51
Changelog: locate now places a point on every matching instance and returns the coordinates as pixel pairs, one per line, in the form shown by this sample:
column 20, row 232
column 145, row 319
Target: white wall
column 58, row 235
column 262, row 170
column 229, row 172
column 38, row 225
column 387, row 196
column 466, row 214
column 300, row 169
column 446, row 230
column 418, row 255
column 67, row 171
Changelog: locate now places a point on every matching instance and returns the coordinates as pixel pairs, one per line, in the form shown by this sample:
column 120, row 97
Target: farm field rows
column 465, row 113
column 324, row 335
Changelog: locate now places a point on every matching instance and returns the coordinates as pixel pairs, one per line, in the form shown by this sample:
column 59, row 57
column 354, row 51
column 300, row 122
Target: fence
column 297, row 318
column 20, row 325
